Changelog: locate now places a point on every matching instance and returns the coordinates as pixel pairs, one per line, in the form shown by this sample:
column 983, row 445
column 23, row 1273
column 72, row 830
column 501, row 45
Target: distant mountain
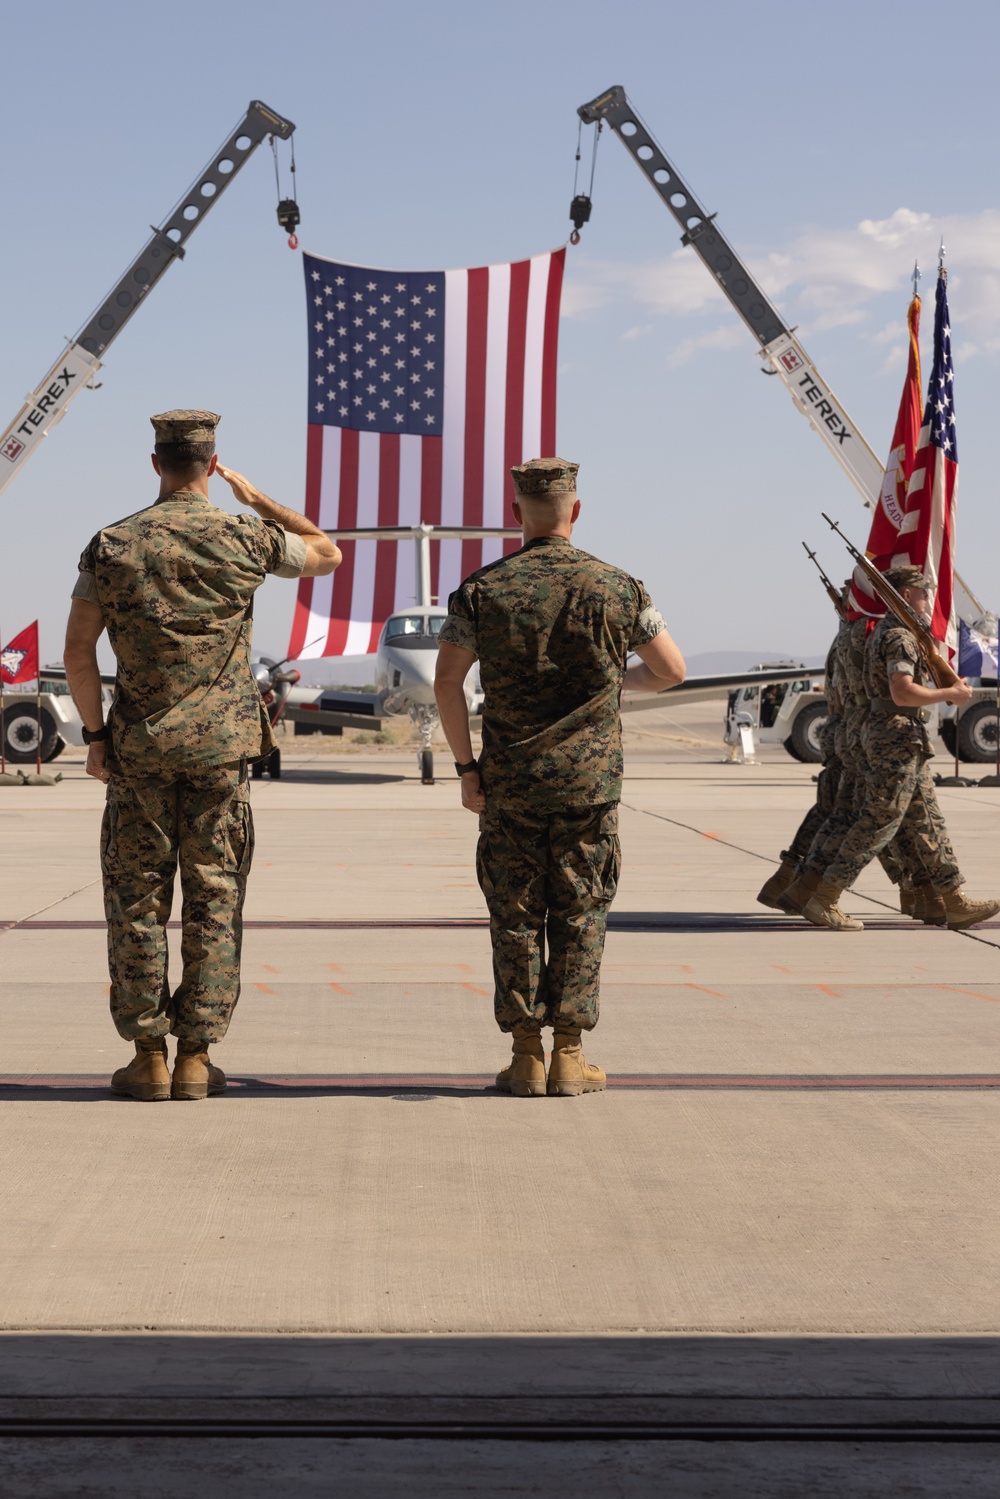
column 717, row 663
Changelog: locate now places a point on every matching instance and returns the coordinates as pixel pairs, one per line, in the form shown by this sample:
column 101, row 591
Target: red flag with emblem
column 19, row 659
column 891, row 507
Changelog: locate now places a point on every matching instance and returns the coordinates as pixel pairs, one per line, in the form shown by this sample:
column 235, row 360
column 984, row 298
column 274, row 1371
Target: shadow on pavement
column 334, row 777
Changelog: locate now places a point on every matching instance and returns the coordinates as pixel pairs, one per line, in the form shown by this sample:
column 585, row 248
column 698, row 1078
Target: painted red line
column 263, row 988
column 702, row 990
column 992, row 998
column 826, row 990
column 475, row 990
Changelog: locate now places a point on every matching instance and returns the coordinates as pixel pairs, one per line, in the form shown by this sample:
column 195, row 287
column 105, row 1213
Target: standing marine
column 900, row 802
column 551, row 628
column 173, row 585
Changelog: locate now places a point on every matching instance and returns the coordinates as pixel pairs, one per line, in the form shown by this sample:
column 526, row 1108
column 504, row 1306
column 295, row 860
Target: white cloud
column 822, row 279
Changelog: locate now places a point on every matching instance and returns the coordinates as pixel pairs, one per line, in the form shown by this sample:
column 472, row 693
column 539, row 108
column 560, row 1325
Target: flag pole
column 38, row 714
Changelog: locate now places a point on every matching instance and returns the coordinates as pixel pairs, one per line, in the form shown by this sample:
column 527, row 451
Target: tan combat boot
column 146, row 1077
column 929, row 906
column 525, row 1076
column 784, row 875
column 908, row 901
column 794, row 900
column 961, row 912
column 823, row 910
column 569, row 1071
column 194, row 1075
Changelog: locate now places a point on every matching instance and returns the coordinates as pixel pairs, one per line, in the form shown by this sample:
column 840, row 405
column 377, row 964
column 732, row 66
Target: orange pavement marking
column 339, row 988
column 710, row 835
column 476, row 991
column 990, row 998
column 703, row 990
column 269, row 968
column 263, row 988
column 780, row 968
column 832, row 992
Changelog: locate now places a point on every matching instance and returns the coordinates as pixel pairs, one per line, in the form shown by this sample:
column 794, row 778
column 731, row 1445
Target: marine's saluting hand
column 245, row 492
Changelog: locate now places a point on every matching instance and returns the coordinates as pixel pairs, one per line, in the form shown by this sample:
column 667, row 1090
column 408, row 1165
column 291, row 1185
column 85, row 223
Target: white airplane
column 407, row 657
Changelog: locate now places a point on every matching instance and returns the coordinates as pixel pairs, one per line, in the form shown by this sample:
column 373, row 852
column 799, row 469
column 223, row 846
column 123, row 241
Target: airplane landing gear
column 426, row 720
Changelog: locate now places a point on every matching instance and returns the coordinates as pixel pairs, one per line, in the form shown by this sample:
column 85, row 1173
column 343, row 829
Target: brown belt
column 884, row 706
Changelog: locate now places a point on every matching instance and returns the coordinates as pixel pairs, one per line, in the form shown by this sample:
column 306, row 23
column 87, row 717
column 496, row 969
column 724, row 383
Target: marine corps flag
column 891, row 507
column 19, row 660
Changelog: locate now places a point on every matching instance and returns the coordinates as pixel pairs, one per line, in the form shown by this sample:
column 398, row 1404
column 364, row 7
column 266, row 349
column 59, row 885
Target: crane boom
column 81, row 358
column 779, row 347
column 778, row 344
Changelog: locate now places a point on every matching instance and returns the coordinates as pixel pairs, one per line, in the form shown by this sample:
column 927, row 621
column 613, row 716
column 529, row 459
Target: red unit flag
column 891, row 507
column 19, row 660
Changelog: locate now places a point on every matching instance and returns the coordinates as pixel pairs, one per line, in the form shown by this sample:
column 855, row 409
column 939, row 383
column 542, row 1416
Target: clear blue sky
column 835, row 143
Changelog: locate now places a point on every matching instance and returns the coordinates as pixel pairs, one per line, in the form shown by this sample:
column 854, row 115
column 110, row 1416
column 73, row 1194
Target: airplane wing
column 705, row 689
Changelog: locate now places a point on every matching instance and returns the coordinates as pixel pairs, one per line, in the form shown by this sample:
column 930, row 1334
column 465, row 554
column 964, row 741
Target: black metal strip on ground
column 498, row 1431
column 709, row 922
column 418, row 1086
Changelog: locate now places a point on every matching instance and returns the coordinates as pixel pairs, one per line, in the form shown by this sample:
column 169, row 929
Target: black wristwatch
column 464, row 770
column 94, row 736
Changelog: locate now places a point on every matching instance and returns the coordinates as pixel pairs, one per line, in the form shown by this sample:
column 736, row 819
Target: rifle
column 941, row 673
column 834, row 595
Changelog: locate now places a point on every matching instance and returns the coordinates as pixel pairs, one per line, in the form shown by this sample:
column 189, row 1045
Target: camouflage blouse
column 176, row 583
column 551, row 627
column 892, row 647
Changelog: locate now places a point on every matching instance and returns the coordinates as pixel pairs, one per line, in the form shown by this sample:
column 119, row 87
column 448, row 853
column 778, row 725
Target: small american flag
column 927, row 535
column 424, row 389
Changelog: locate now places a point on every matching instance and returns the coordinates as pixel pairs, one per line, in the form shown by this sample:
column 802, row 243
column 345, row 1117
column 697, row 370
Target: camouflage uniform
column 551, row 627
column 900, row 802
column 175, row 583
column 854, row 709
column 828, row 780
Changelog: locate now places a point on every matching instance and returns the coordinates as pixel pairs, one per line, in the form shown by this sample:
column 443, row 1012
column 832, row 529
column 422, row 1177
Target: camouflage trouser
column 899, row 803
column 846, row 808
column 202, row 822
column 827, row 783
column 548, row 879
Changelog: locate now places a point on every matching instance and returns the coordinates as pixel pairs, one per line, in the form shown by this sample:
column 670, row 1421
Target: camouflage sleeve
column 901, row 652
column 460, row 626
column 85, row 586
column 648, row 622
column 277, row 551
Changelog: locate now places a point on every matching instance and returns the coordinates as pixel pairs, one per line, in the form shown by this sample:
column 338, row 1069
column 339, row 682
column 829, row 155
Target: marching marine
column 173, row 585
column 900, row 801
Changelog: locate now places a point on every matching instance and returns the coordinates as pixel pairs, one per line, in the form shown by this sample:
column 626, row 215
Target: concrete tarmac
column 796, row 1156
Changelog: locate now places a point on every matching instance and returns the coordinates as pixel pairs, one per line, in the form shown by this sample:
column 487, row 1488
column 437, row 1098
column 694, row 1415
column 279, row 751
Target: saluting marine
column 900, row 801
column 551, row 628
column 173, row 585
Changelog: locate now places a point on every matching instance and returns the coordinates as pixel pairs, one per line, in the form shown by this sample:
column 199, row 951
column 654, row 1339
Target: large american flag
column 927, row 534
column 424, row 388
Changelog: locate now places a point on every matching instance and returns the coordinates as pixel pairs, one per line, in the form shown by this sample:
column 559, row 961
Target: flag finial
column 941, row 269
column 916, row 277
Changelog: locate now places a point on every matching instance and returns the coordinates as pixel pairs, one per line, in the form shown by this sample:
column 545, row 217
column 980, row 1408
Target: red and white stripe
column 500, row 351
